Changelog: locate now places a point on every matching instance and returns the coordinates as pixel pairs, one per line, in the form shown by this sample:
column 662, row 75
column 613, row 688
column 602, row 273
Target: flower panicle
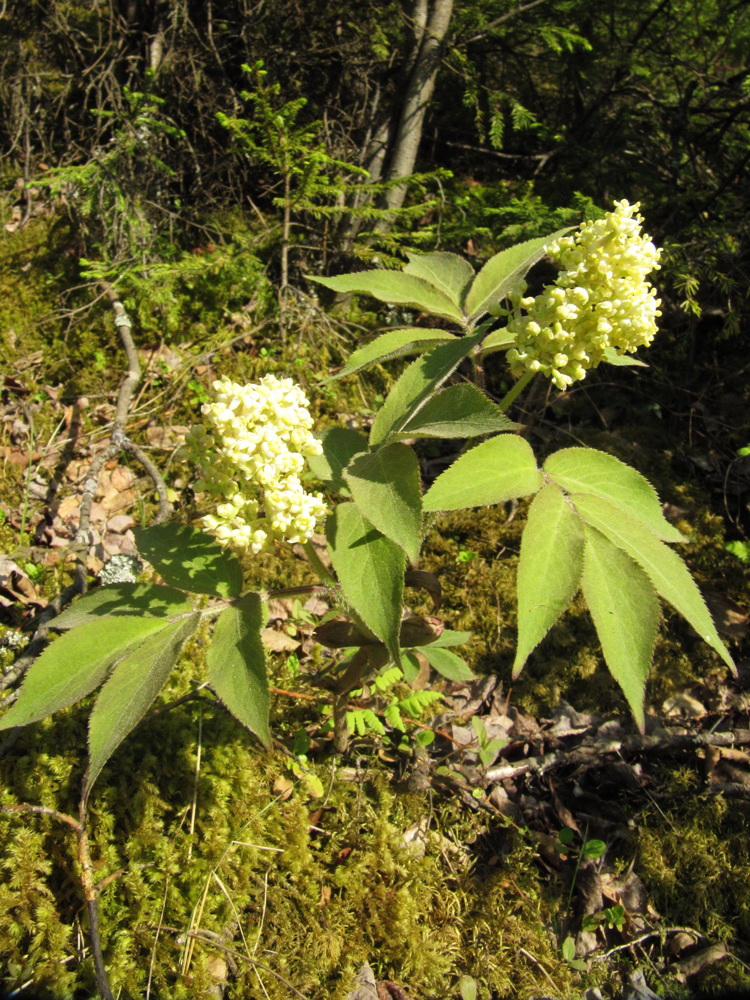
column 250, row 451
column 599, row 300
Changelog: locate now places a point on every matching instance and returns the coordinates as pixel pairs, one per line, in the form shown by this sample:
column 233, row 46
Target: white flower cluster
column 599, row 299
column 251, row 451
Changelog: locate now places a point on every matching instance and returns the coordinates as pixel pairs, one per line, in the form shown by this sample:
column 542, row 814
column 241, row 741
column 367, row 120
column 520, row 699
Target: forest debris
column 638, row 988
column 14, row 581
column 278, row 641
column 729, row 617
column 685, row 705
column 166, row 437
column 365, row 987
column 695, row 963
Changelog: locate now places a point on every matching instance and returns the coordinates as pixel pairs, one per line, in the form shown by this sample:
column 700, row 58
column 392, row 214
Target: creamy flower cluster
column 251, row 450
column 599, row 299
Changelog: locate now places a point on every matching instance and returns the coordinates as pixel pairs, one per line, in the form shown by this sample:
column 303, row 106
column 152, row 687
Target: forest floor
column 534, row 844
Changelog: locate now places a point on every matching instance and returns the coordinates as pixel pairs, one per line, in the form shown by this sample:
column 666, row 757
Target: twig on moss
column 216, row 941
column 90, row 890
column 598, row 749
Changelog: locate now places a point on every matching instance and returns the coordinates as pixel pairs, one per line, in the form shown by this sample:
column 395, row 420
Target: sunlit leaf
column 447, row 272
column 385, row 488
column 370, row 568
column 73, row 665
column 625, row 610
column 611, row 357
column 549, row 568
column 237, row 664
column 393, row 344
column 667, row 572
column 585, row 470
column 130, row 690
column 502, row 271
column 421, row 379
column 498, row 340
column 118, row 599
column 446, row 663
column 460, row 411
column 340, row 445
column 190, row 559
column 500, row 469
column 397, row 288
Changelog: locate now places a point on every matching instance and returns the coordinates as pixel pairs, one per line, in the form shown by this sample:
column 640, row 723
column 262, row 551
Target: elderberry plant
column 594, row 524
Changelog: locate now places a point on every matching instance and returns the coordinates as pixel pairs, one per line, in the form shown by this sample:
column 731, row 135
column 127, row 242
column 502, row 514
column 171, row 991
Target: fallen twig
column 623, row 748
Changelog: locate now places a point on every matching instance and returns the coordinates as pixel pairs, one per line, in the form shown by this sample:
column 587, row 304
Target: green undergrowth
column 694, row 858
column 211, row 843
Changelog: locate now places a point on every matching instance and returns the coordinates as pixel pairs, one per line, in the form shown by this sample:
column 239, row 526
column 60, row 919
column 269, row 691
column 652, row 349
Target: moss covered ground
column 220, row 872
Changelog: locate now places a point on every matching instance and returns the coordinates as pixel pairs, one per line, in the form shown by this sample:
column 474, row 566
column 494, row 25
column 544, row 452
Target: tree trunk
column 419, row 90
column 392, row 143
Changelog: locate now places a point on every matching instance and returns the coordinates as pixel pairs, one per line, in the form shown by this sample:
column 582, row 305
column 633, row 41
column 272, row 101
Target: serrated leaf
column 549, row 568
column 131, row 689
column 498, row 340
column 446, row 663
column 611, row 357
column 340, row 445
column 421, row 379
column 451, row 638
column 237, row 665
column 667, row 572
column 370, row 568
column 500, row 273
column 396, row 288
column 500, row 469
column 190, row 559
column 73, row 665
column 119, row 599
column 385, row 488
column 447, row 272
column 586, row 470
column 393, row 344
column 625, row 610
column 460, row 411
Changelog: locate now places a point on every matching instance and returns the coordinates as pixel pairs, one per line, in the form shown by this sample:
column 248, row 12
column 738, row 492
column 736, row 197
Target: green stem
column 317, row 564
column 517, row 388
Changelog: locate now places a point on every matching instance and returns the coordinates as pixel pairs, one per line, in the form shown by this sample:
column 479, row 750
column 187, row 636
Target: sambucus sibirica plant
column 594, row 525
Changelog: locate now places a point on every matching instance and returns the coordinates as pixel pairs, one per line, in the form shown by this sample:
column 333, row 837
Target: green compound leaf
column 450, row 274
column 549, row 569
column 190, row 560
column 625, row 610
column 446, row 663
column 451, row 638
column 460, row 411
column 130, row 690
column 611, row 357
column 237, row 665
column 501, row 272
column 500, row 469
column 664, row 568
column 498, row 340
column 421, row 379
column 393, row 344
column 370, row 568
column 122, row 599
column 585, row 470
column 73, row 665
column 397, row 288
column 340, row 445
column 385, row 488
